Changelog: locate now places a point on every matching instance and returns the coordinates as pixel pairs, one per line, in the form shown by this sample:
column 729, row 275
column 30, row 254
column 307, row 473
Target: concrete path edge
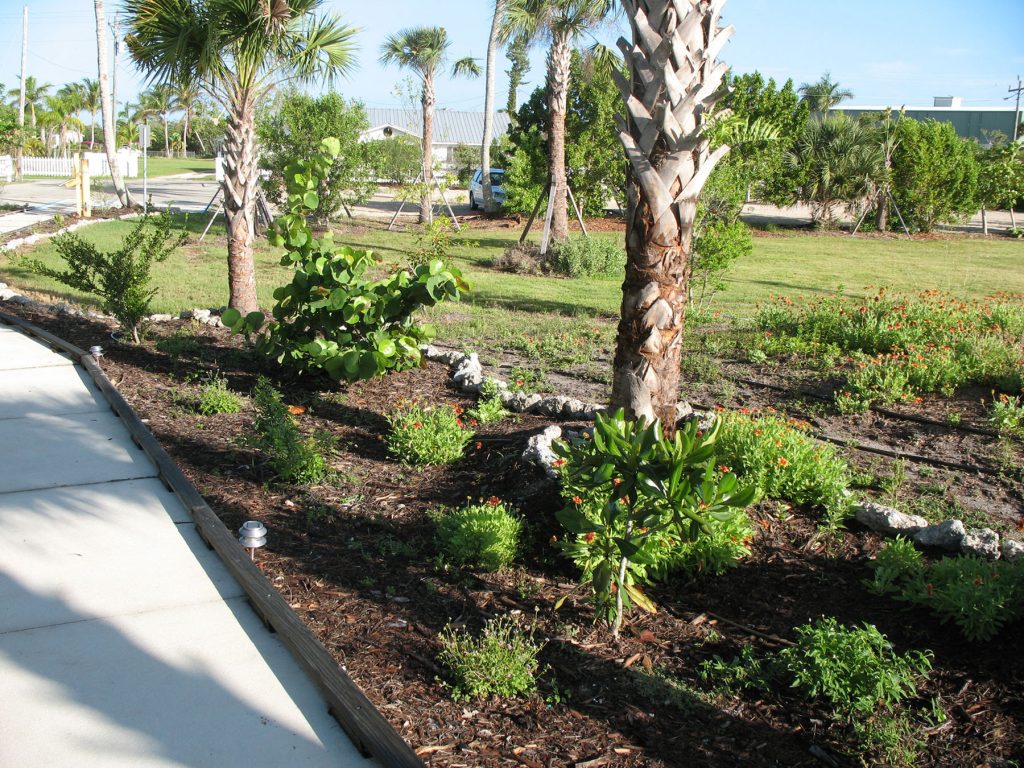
column 358, row 717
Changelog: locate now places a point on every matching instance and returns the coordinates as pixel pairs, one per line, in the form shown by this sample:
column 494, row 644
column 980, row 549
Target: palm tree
column 62, row 110
column 238, row 51
column 186, row 96
column 824, row 94
column 35, row 92
column 424, row 50
column 497, row 22
column 159, row 101
column 561, row 22
column 92, row 102
column 673, row 85
column 107, row 106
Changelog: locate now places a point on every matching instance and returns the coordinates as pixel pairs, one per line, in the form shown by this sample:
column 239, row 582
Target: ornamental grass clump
column 784, row 462
column 501, row 662
column 484, row 535
column 426, row 435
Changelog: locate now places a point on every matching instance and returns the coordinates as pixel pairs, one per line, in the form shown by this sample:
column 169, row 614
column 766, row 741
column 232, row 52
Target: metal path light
column 252, row 535
column 96, row 351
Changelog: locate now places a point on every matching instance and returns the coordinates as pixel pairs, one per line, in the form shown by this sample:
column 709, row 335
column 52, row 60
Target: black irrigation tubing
column 889, row 452
column 874, row 408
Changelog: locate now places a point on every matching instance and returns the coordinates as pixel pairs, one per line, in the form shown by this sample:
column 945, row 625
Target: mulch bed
column 355, row 558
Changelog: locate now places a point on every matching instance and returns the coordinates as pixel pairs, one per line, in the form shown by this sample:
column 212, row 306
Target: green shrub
column 854, row 669
column 485, row 535
column 746, row 671
column 294, row 458
column 501, row 662
column 785, row 462
column 119, row 278
column 1008, row 415
column 489, row 409
column 332, row 317
column 583, row 256
column 979, row 596
column 435, row 243
column 217, row 398
column 423, row 436
column 631, row 494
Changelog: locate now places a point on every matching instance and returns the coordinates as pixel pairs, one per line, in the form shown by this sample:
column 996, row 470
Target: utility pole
column 21, row 93
column 1016, row 112
column 115, row 28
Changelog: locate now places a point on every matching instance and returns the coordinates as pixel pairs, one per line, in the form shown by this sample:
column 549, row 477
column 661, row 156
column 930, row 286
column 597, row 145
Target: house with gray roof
column 451, row 128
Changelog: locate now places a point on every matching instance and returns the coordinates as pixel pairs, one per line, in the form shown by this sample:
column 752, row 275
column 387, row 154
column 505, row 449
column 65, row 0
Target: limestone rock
column 550, row 406
column 6, row 294
column 949, row 534
column 468, row 371
column 983, row 542
column 160, row 318
column 888, row 520
column 1011, row 549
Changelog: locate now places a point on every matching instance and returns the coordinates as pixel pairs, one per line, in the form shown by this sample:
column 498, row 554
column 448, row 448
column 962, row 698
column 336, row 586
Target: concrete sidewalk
column 124, row 641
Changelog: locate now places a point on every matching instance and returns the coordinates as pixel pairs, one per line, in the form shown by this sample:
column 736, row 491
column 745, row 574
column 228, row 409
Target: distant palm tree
column 186, row 97
column 107, row 107
column 497, row 22
column 824, row 94
column 424, row 50
column 159, row 101
column 561, row 22
column 35, row 92
column 238, row 51
column 62, row 113
column 92, row 103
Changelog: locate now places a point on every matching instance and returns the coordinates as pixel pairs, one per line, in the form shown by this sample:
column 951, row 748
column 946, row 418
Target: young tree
column 424, row 50
column 238, row 51
column 498, row 19
column 517, row 52
column 674, row 84
column 824, row 94
column 1000, row 180
column 561, row 22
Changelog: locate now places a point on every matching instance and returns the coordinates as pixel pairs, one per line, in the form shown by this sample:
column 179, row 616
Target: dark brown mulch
column 356, row 560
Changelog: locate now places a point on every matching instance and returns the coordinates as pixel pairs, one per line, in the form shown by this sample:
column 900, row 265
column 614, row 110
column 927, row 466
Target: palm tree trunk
column 239, row 191
column 485, row 151
column 109, row 141
column 92, row 130
column 426, row 202
column 666, row 99
column 559, row 58
column 167, row 138
column 184, row 135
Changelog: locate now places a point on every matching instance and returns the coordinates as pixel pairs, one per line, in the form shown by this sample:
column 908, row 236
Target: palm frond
column 466, row 67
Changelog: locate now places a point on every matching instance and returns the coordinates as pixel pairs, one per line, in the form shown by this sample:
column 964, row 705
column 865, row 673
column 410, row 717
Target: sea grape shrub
column 980, row 596
column 484, row 535
column 333, row 317
column 784, row 462
column 501, row 662
column 294, row 458
column 897, row 348
column 424, row 435
column 633, row 496
column 121, row 278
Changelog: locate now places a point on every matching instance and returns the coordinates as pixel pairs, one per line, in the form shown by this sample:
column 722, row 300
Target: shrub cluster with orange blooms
column 896, row 348
column 785, row 462
column 427, row 435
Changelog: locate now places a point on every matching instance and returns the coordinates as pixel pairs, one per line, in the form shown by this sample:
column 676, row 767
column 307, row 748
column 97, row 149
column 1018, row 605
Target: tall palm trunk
column 184, row 135
column 559, row 58
column 92, row 130
column 239, row 191
column 485, row 151
column 167, row 138
column 109, row 141
column 427, row 100
column 674, row 82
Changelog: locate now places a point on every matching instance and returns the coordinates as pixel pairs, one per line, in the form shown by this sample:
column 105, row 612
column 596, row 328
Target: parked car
column 476, row 188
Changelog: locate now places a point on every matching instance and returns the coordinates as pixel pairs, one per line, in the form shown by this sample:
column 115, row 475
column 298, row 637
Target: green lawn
column 157, row 165
column 503, row 305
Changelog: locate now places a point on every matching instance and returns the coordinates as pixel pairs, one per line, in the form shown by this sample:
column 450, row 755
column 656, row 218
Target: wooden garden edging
column 360, row 719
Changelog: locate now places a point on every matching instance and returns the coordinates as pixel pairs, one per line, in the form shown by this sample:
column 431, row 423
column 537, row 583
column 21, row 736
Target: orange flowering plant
column 427, row 435
column 631, row 494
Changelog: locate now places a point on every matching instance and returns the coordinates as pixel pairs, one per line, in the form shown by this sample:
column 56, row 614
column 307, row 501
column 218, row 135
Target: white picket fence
column 64, row 166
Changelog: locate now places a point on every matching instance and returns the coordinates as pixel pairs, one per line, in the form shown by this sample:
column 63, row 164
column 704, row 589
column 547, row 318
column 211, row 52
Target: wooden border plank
column 358, row 717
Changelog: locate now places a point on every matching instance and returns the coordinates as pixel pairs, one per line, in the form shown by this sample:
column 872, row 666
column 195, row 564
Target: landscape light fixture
column 96, row 351
column 252, row 535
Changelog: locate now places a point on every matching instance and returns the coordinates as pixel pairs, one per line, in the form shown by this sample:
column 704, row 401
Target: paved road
column 124, row 641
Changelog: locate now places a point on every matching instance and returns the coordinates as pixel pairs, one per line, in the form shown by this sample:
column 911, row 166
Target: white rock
column 202, row 315
column 1011, row 549
column 949, row 534
column 550, row 406
column 888, row 520
column 468, row 371
column 538, row 450
column 983, row 542
column 160, row 318
column 6, row 294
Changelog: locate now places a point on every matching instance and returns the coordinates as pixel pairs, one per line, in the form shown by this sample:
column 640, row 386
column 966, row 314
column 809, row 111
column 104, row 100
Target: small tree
column 1000, row 180
column 293, row 127
column 935, row 174
column 119, row 278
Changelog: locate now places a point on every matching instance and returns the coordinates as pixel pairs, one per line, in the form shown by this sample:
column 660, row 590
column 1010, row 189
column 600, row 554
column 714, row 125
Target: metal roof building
column 450, row 126
column 969, row 122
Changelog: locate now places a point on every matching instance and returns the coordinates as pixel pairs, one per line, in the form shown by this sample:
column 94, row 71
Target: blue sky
column 895, row 52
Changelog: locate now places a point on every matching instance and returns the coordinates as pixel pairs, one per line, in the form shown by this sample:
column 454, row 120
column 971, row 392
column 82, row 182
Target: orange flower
column 493, row 501
column 783, row 461
column 616, row 481
column 457, row 409
column 577, row 500
column 723, row 468
column 296, row 410
column 417, row 424
column 589, row 538
column 479, row 445
column 558, row 463
column 459, row 423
